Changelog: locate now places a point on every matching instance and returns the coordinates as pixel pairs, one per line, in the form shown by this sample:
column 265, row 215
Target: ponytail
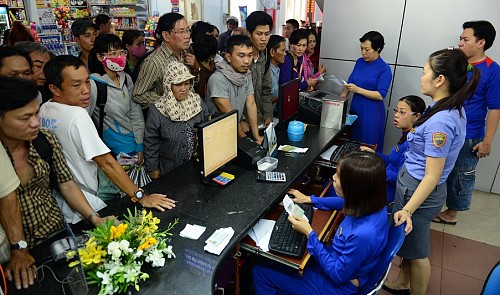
column 453, row 65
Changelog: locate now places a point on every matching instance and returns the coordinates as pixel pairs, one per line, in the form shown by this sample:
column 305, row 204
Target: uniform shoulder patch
column 438, row 139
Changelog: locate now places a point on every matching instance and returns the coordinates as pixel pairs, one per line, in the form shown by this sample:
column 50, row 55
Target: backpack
column 44, row 149
column 102, row 98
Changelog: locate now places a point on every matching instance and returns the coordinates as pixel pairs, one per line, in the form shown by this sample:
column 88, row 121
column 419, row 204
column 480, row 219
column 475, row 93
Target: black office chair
column 381, row 270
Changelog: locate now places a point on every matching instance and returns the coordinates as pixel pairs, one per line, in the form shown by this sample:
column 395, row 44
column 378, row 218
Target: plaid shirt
column 149, row 84
column 40, row 213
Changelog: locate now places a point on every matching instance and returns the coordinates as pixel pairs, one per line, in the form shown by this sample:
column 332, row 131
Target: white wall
column 412, row 30
column 162, row 6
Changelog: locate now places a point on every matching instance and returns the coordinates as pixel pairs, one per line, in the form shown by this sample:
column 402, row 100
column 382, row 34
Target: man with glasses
column 175, row 34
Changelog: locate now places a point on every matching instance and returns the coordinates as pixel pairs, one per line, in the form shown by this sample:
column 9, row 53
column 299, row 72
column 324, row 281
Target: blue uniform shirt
column 486, row 96
column 441, row 136
column 393, row 163
column 355, row 250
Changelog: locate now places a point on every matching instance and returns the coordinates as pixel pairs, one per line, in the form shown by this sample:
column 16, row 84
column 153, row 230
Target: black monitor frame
column 204, row 174
column 289, row 107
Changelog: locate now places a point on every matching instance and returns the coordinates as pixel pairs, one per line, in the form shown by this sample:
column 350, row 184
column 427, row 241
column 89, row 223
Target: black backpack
column 44, row 149
column 102, row 98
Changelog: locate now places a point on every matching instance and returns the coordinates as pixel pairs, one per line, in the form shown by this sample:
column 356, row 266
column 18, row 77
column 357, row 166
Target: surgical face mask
column 138, row 51
column 115, row 64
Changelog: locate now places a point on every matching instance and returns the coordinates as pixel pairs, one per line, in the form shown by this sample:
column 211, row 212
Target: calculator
column 271, row 176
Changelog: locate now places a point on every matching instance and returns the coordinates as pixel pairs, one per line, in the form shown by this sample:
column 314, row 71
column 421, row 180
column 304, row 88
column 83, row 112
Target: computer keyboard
column 285, row 240
column 343, row 149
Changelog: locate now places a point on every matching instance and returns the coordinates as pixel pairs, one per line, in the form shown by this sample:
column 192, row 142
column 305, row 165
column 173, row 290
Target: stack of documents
column 193, row 232
column 219, row 240
column 261, row 233
column 327, row 155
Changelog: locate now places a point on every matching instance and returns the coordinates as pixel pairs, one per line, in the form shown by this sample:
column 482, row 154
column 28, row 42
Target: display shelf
column 114, row 2
column 126, row 29
column 125, row 14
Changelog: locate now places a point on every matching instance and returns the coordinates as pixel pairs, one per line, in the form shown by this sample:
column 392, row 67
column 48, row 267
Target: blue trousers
column 275, row 278
column 460, row 182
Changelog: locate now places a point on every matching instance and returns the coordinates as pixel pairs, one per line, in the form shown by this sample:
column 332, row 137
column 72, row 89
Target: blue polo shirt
column 441, row 136
column 486, row 96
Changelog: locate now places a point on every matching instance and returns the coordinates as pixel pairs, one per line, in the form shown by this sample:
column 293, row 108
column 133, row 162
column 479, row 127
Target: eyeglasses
column 181, row 32
column 401, row 113
column 115, row 53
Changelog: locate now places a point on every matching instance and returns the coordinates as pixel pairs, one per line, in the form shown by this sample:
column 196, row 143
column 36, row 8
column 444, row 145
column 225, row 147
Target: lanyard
column 299, row 73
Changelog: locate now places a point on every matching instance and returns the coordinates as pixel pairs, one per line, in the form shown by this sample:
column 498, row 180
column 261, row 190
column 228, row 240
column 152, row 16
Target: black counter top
column 239, row 205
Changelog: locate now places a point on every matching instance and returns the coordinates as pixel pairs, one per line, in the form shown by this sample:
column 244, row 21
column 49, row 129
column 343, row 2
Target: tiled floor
column 463, row 254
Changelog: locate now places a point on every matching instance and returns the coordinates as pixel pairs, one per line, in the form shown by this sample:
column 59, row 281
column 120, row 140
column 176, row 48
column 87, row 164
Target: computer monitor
column 288, row 100
column 217, row 142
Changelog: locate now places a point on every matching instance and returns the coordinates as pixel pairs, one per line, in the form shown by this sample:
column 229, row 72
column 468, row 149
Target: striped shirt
column 149, row 84
column 40, row 213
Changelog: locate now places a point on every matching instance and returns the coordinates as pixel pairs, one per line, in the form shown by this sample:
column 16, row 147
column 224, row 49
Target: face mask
column 115, row 64
column 138, row 51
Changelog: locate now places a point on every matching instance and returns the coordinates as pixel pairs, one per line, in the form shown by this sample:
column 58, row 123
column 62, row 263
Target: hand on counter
column 21, row 269
column 158, row 201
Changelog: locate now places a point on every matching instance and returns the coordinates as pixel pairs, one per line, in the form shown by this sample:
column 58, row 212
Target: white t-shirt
column 80, row 143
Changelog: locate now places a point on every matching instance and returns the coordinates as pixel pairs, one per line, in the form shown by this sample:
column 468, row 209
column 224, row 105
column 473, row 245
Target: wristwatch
column 19, row 245
column 138, row 194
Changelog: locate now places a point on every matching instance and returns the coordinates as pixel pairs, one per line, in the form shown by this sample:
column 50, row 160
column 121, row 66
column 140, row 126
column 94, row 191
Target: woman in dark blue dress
column 369, row 81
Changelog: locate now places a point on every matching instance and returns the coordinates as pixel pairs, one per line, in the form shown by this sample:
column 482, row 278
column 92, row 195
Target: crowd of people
column 64, row 120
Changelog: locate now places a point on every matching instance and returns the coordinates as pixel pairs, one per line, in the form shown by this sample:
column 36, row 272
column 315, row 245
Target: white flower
column 116, row 254
column 131, row 275
column 108, row 290
column 156, row 258
column 169, row 252
column 104, row 277
column 124, row 245
column 114, row 250
column 138, row 254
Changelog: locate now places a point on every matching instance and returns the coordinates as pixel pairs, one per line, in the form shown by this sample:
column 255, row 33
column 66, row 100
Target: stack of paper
column 326, row 155
column 219, row 240
column 193, row 232
column 261, row 233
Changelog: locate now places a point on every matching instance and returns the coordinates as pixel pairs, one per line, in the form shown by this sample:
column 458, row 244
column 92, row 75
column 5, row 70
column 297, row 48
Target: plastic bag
column 139, row 175
column 331, row 84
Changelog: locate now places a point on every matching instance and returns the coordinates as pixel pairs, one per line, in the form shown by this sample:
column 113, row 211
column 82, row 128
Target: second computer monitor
column 288, row 100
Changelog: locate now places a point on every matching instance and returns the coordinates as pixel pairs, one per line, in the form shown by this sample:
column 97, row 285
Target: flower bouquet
column 113, row 255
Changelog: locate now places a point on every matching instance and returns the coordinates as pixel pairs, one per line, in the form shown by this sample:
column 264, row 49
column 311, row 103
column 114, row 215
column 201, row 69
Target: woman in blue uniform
column 345, row 265
column 408, row 110
column 369, row 81
column 434, row 143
